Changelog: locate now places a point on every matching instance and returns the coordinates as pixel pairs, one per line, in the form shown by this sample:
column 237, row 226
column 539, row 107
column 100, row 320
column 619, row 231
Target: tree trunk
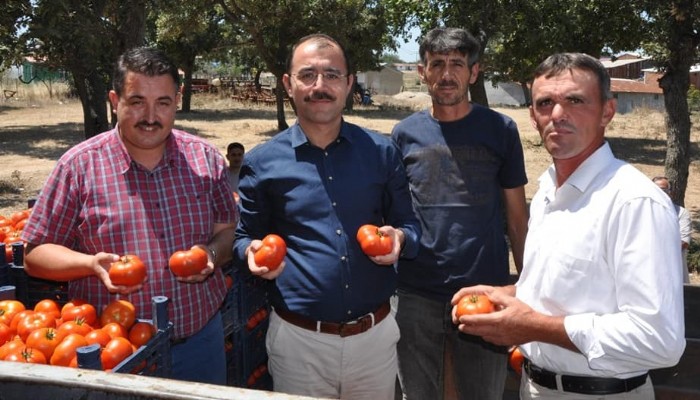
column 675, row 84
column 477, row 92
column 93, row 97
column 279, row 95
column 187, row 68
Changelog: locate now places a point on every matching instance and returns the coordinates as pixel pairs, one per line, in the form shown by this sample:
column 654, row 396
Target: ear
column 114, row 100
column 533, row 122
column 474, row 73
column 287, row 84
column 609, row 109
column 421, row 72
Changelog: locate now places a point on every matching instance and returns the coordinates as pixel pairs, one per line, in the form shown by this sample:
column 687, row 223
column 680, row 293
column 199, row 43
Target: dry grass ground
column 35, row 132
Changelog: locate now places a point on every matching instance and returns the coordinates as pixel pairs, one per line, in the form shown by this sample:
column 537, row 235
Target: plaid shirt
column 98, row 199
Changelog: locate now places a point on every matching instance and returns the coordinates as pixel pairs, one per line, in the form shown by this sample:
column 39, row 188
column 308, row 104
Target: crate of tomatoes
column 75, row 334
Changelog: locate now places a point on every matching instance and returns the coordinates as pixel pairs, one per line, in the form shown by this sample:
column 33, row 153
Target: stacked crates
column 245, row 314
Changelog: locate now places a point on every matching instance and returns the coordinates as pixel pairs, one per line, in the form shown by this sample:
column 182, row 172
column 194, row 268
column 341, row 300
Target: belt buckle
column 356, row 326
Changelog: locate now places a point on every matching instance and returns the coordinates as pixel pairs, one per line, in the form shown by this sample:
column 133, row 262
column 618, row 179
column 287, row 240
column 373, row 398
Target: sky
column 409, row 51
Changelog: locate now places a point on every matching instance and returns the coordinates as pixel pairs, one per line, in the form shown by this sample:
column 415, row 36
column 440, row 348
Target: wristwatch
column 213, row 254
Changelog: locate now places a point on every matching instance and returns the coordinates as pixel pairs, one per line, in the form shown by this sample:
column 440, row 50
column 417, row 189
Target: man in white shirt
column 683, row 220
column 600, row 299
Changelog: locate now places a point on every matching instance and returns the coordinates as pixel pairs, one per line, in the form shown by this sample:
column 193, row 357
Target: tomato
column 4, row 231
column 98, row 336
column 82, row 310
column 474, row 304
column 8, row 309
column 10, row 346
column 115, row 330
column 33, row 322
column 373, row 242
column 128, row 271
column 45, row 340
column 272, row 252
column 190, row 262
column 115, row 352
column 48, row 306
column 19, row 215
column 26, row 355
column 78, row 326
column 515, row 360
column 6, row 333
column 122, row 312
column 141, row 333
column 18, row 317
column 67, row 349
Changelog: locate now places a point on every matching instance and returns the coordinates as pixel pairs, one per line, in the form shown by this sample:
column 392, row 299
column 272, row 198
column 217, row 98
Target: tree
column 273, row 27
column 187, row 29
column 13, row 18
column 673, row 44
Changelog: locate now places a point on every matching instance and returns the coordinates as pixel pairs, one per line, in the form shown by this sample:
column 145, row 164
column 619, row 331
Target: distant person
column 466, row 170
column 147, row 189
column 234, row 154
column 599, row 302
column 331, row 332
column 683, row 220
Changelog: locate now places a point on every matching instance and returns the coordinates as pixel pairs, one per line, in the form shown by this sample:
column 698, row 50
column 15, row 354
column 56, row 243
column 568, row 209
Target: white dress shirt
column 602, row 250
column 686, row 235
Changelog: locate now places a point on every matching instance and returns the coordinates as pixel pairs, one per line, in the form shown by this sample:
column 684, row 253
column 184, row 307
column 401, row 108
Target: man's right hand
column 101, row 263
column 263, row 272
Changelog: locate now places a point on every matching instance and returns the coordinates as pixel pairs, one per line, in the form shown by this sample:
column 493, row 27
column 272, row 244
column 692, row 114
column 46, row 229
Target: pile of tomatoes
column 11, row 229
column 51, row 334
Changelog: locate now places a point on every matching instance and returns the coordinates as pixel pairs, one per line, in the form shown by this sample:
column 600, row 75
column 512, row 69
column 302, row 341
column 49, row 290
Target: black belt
column 582, row 384
column 349, row 328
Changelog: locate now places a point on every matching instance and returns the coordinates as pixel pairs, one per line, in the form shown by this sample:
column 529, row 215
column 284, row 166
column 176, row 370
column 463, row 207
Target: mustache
column 320, row 96
column 447, row 83
column 559, row 125
column 146, row 124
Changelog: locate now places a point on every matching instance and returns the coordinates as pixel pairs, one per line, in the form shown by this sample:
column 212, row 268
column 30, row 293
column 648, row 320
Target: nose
column 558, row 112
column 150, row 114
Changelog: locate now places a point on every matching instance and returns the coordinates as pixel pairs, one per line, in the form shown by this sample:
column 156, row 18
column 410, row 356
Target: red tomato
column 34, row 321
column 515, row 360
column 48, row 306
column 45, row 340
column 474, row 304
column 26, row 355
column 8, row 309
column 373, row 242
column 141, row 333
column 115, row 352
column 272, row 252
column 84, row 311
column 115, row 330
column 10, row 346
column 18, row 317
column 128, row 271
column 98, row 336
column 67, row 349
column 120, row 311
column 78, row 326
column 6, row 333
column 190, row 262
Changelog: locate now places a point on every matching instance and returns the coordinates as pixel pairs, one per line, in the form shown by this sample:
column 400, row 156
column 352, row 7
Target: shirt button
column 338, row 232
column 347, row 286
column 325, row 153
column 349, row 312
column 334, row 203
column 342, row 258
column 330, row 178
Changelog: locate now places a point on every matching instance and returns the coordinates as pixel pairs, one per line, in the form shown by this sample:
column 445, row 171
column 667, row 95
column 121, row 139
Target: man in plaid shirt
column 147, row 189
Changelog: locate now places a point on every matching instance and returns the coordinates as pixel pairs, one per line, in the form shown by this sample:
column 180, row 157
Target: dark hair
column 322, row 40
column 235, row 145
column 143, row 60
column 663, row 178
column 560, row 62
column 446, row 40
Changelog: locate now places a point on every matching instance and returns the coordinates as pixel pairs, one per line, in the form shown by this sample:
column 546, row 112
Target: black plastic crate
column 7, row 292
column 151, row 359
column 5, row 274
column 30, row 290
column 229, row 309
column 252, row 292
column 234, row 360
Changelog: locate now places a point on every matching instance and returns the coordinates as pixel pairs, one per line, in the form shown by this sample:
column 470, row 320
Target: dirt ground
column 34, row 135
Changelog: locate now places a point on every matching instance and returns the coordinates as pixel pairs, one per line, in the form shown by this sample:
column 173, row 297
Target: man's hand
column 397, row 238
column 261, row 271
column 101, row 263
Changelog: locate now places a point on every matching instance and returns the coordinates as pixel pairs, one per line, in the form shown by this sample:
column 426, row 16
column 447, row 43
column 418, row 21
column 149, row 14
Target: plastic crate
column 30, row 290
column 229, row 308
column 151, row 359
column 252, row 293
column 5, row 274
column 7, row 293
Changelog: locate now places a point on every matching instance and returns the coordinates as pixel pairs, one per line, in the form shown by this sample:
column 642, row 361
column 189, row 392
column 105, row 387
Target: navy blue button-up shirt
column 316, row 199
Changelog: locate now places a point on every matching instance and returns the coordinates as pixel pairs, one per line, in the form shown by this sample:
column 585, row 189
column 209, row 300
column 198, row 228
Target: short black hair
column 447, row 40
column 235, row 145
column 143, row 60
column 323, row 40
column 560, row 62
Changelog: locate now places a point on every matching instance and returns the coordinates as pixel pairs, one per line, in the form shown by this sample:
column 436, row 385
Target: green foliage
column 391, row 58
column 693, row 99
column 694, row 257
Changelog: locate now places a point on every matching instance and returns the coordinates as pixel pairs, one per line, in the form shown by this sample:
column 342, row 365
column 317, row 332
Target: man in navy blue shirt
column 331, row 333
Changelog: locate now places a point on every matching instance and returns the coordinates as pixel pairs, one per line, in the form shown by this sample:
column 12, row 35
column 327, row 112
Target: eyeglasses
column 310, row 77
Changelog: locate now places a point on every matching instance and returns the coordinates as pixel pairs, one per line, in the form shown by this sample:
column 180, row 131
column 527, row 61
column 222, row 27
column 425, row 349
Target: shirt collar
column 585, row 174
column 124, row 160
column 298, row 137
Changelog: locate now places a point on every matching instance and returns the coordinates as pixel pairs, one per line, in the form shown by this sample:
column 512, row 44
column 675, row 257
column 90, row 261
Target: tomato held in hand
column 190, row 262
column 373, row 242
column 128, row 271
column 272, row 252
column 474, row 304
column 515, row 360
